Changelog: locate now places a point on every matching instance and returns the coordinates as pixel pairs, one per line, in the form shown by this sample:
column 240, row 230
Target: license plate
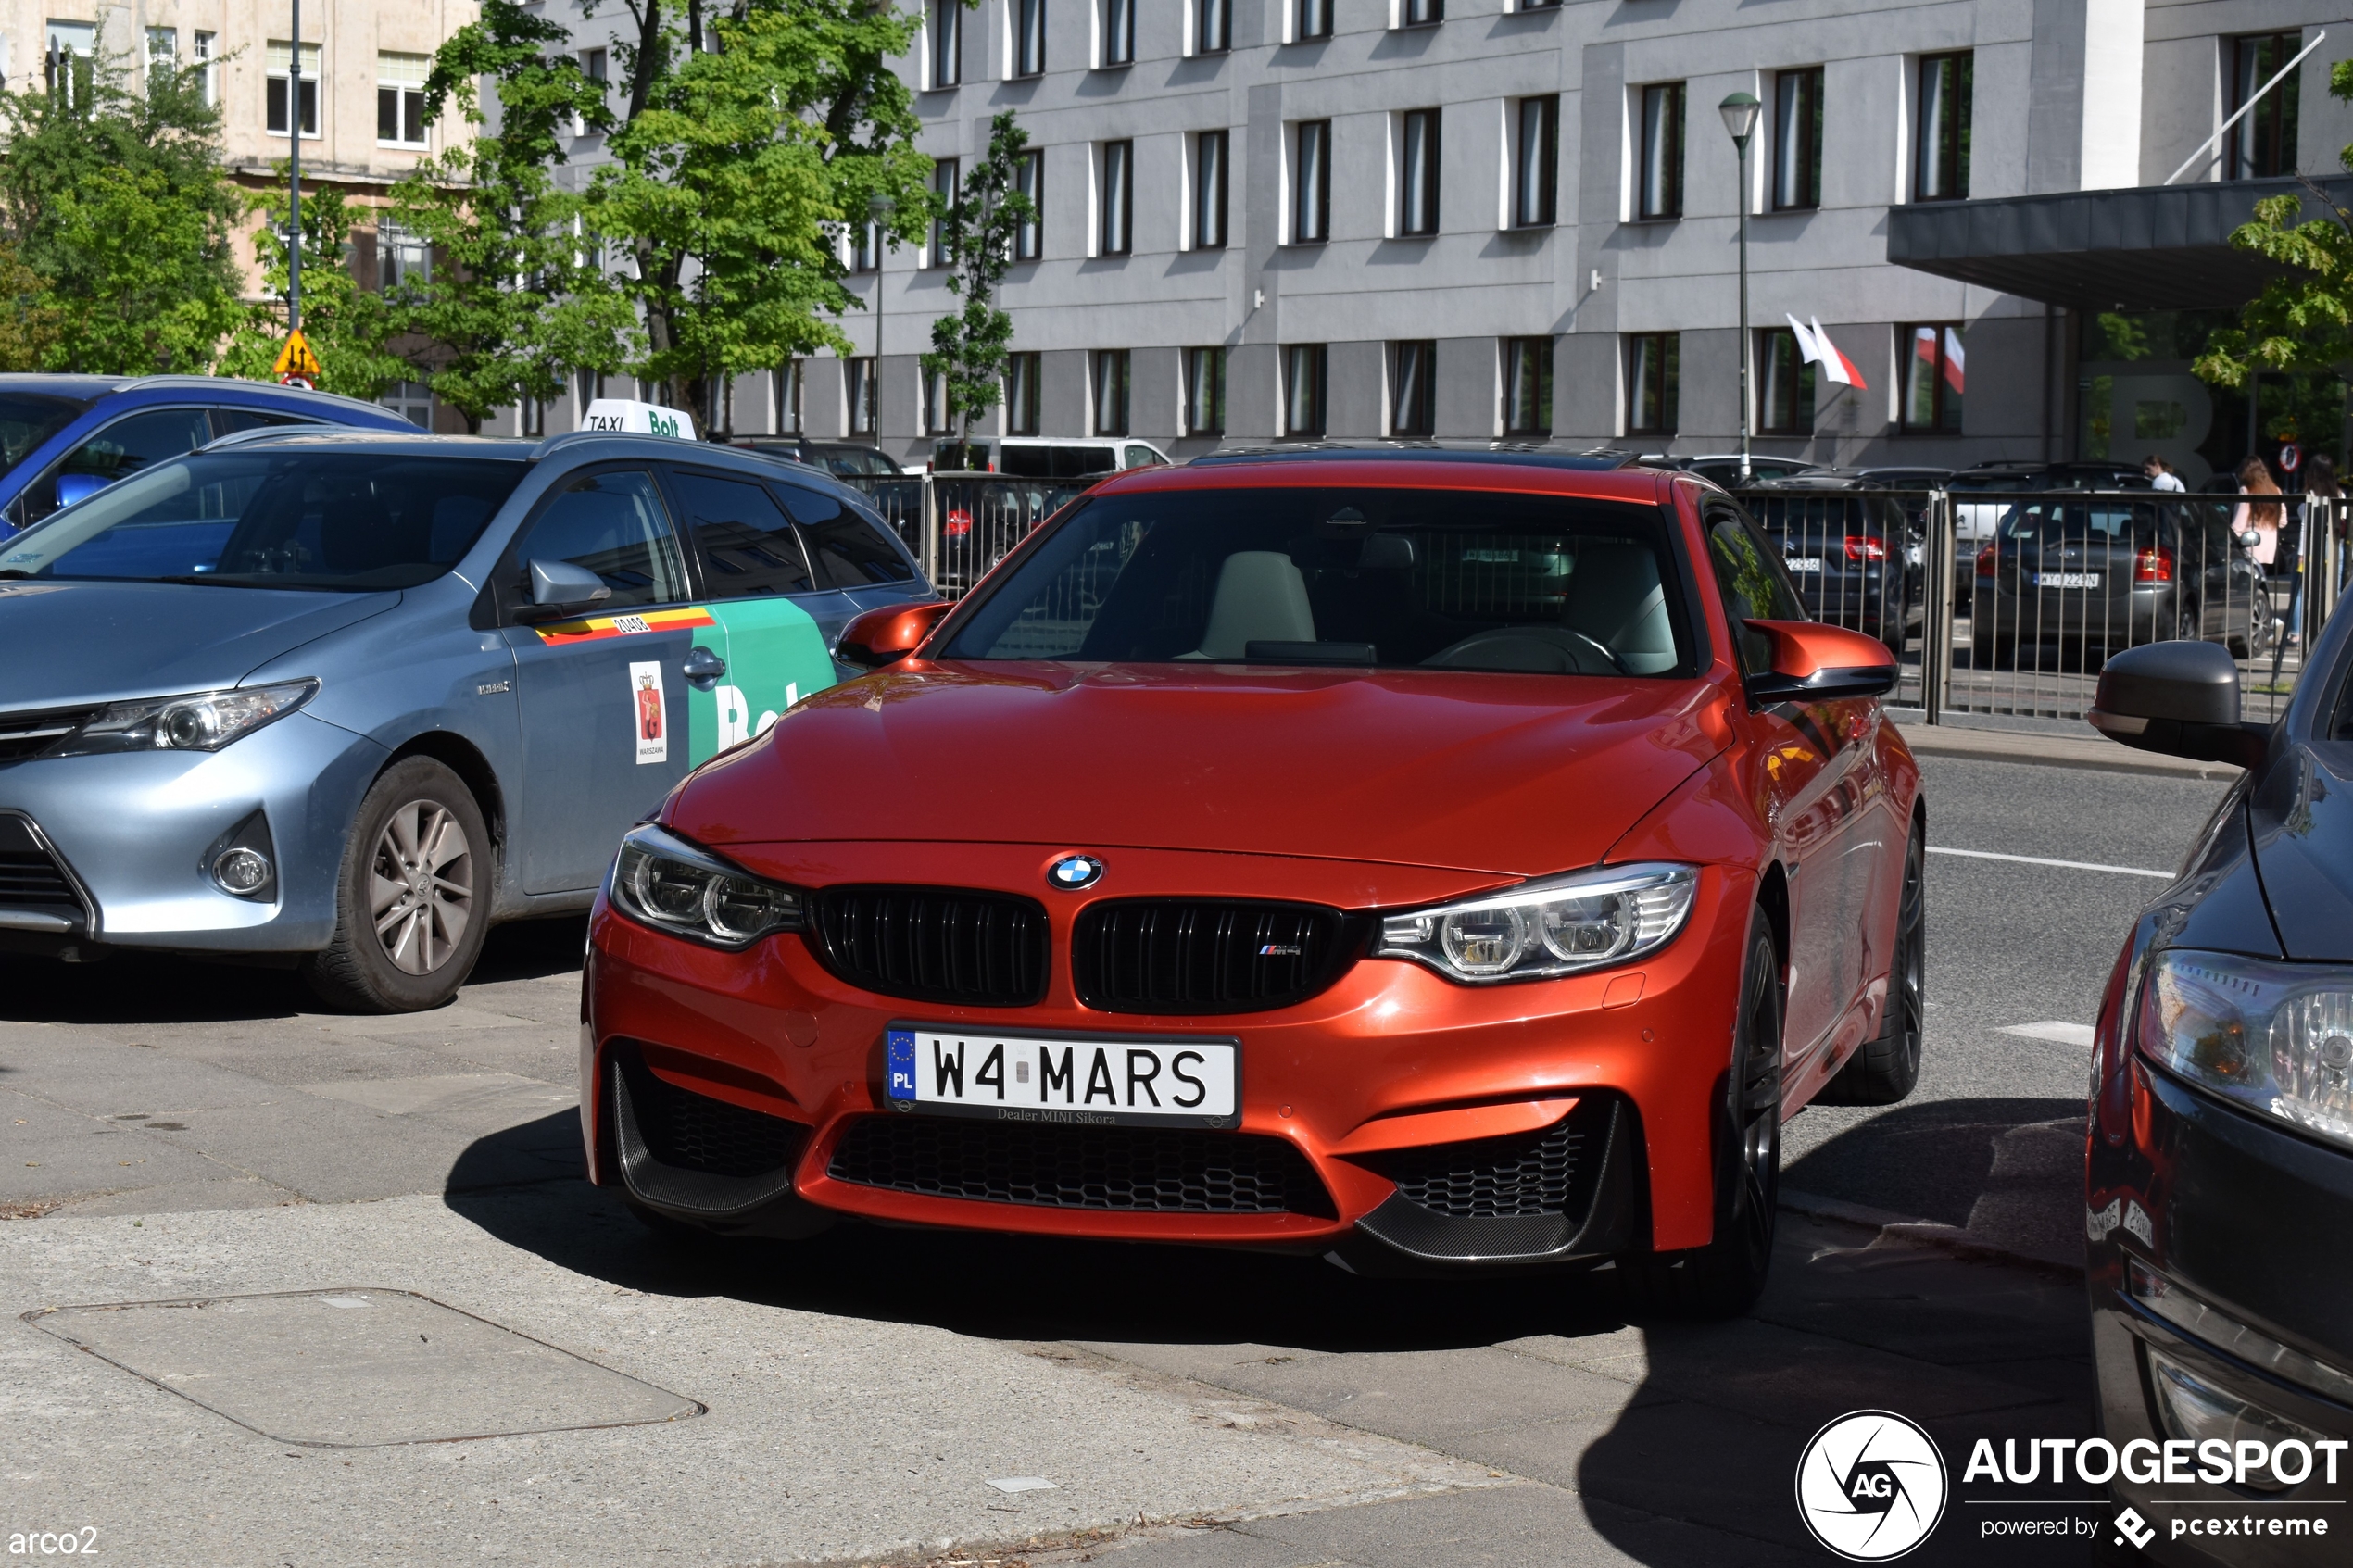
column 1805, row 563
column 1128, row 1081
column 2067, row 579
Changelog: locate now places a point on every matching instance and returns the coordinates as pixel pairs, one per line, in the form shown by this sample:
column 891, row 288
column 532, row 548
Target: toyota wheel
column 412, row 900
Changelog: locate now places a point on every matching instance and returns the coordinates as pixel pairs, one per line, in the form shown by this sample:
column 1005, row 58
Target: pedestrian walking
column 2160, row 474
column 2263, row 517
column 2321, row 537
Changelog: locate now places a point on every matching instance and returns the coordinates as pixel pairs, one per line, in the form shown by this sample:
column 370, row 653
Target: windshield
column 28, row 419
column 1456, row 580
column 346, row 521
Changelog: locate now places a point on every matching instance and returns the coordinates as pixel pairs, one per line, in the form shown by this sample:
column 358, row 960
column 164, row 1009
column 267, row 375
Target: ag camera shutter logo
column 1872, row 1485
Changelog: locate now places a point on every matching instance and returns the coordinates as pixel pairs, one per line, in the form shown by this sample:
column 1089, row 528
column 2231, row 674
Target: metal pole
column 1936, row 619
column 2210, row 140
column 1747, row 415
column 293, row 180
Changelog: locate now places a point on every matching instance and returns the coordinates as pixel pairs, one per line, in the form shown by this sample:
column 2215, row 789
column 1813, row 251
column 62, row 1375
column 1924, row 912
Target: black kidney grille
column 1193, row 955
column 30, row 734
column 935, row 944
column 1525, row 1174
column 692, row 1132
column 1151, row 1170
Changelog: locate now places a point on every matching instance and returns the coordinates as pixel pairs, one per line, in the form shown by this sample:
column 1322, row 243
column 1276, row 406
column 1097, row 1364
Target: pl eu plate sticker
column 902, row 1064
column 653, row 727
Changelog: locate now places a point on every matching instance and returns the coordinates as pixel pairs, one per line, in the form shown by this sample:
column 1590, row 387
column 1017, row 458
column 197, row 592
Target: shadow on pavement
column 1931, row 1160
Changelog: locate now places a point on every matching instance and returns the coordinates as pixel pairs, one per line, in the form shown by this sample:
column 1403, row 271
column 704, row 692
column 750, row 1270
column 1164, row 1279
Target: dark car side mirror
column 2178, row 698
column 1816, row 663
column 888, row 635
column 72, row 487
column 557, row 588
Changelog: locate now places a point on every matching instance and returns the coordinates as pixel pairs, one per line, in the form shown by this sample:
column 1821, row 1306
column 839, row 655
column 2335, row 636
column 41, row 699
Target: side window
column 230, row 420
column 117, row 452
column 1142, row 458
column 746, row 541
column 614, row 524
column 1753, row 589
column 845, row 549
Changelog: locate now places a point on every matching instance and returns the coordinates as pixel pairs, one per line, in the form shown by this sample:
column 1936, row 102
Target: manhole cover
column 342, row 1369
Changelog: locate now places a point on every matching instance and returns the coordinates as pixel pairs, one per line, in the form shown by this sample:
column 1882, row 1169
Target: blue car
column 350, row 697
column 65, row 437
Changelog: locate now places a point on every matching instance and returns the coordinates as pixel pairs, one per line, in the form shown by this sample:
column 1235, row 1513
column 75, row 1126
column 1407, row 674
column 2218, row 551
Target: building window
column 279, row 58
column 206, row 49
column 1110, row 392
column 1941, row 135
column 865, row 246
column 1413, row 401
column 936, row 411
column 1660, row 192
column 784, row 413
column 1204, row 392
column 73, row 47
column 2263, row 145
column 1785, row 385
column 1536, row 152
column 1022, row 393
column 1652, row 368
column 1029, row 179
column 944, row 174
column 1932, row 379
column 1528, row 387
column 1212, row 26
column 401, row 256
column 163, row 49
column 1119, row 31
column 597, row 66
column 861, row 381
column 1537, row 5
column 1312, row 19
column 1417, row 172
column 587, row 387
column 946, row 56
column 1303, row 365
column 1209, row 190
column 1421, row 13
column 1797, row 139
column 1311, row 205
column 531, row 418
column 1029, row 37
column 400, row 98
column 1116, row 236
column 412, row 400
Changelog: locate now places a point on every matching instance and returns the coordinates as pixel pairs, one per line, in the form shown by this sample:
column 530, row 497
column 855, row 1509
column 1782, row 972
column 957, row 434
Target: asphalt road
column 176, row 1132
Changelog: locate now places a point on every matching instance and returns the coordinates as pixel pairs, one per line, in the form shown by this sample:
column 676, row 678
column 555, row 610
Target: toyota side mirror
column 888, row 635
column 1816, row 663
column 558, row 587
column 2178, row 698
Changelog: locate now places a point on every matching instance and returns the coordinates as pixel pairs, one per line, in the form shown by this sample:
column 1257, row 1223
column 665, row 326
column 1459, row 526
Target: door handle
column 703, row 668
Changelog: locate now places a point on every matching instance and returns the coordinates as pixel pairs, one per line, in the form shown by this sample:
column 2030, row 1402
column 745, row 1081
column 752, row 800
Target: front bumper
column 132, row 828
column 1390, row 1060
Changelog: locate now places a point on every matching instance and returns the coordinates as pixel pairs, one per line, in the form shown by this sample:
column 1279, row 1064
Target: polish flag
column 1835, row 365
column 1952, row 361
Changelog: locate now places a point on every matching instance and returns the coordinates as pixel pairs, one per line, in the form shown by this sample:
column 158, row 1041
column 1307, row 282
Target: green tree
column 347, row 324
column 116, row 200
column 976, row 232
column 751, row 140
column 30, row 322
column 513, row 298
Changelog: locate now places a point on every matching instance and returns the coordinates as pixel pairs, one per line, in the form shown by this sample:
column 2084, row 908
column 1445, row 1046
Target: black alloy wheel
column 1885, row 1069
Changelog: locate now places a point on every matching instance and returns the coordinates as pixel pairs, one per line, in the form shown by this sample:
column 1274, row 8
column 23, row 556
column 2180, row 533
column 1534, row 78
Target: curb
column 2055, row 751
column 1921, row 1233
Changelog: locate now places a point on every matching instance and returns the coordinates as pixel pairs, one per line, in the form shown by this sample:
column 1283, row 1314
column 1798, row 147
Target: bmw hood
column 71, row 644
column 1511, row 775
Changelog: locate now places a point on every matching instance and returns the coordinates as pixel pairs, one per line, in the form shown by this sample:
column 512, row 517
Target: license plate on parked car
column 2067, row 579
column 1805, row 563
column 1128, row 1081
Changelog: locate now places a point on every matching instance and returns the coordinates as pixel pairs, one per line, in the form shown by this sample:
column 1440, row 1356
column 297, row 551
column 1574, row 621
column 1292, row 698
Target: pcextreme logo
column 1870, row 1486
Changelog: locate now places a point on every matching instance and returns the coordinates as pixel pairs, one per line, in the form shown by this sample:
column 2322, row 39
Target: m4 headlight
column 2273, row 1037
column 1542, row 930
column 665, row 881
column 200, row 721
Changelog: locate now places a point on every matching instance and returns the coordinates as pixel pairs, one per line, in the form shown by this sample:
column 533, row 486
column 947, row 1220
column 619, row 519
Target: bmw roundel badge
column 1073, row 872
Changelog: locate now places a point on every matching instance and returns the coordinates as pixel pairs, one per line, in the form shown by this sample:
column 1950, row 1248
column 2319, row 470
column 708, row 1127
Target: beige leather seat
column 1261, row 597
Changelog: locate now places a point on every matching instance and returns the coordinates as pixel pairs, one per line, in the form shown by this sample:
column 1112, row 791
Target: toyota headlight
column 662, row 880
column 202, row 721
column 2271, row 1037
column 1541, row 930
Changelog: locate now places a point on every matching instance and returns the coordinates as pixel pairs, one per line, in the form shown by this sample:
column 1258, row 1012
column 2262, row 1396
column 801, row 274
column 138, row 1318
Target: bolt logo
column 1870, row 1486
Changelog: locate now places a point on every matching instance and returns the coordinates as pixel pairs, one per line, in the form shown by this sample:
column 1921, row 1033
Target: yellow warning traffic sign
column 296, row 361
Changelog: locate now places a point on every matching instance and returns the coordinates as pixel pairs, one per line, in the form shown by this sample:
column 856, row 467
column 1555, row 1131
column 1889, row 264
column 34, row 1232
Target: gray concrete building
column 1490, row 219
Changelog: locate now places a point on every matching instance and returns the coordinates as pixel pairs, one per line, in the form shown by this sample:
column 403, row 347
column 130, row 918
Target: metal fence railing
column 961, row 524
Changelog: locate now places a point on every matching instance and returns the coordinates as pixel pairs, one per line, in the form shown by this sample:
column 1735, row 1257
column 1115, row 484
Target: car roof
column 1432, row 470
column 1331, row 452
column 92, row 388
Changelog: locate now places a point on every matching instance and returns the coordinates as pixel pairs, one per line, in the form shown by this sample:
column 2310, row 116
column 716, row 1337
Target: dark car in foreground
column 2066, row 582
column 2219, row 1178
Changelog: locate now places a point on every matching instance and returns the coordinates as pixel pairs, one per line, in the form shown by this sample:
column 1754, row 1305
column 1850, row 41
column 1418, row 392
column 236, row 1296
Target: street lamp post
column 1740, row 118
column 879, row 208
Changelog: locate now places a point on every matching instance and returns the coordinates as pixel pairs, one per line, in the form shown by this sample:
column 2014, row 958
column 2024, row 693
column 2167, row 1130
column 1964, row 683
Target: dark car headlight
column 662, row 880
column 2274, row 1038
column 1542, row 930
column 200, row 721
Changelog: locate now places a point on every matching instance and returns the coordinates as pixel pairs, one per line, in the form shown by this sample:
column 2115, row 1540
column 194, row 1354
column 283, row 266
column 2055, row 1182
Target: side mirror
column 888, row 635
column 1816, row 663
column 72, row 487
column 2178, row 698
column 557, row 587
column 2248, row 538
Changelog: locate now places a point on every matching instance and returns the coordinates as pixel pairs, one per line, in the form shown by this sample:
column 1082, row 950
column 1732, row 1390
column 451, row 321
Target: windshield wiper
column 14, row 572
column 197, row 578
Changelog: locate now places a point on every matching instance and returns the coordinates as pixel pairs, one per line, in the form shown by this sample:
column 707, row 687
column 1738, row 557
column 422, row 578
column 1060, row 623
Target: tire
column 1883, row 1069
column 406, row 942
column 1724, row 1278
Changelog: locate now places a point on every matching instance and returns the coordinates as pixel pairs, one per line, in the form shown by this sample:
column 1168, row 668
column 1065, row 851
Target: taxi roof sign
column 638, row 419
column 296, row 360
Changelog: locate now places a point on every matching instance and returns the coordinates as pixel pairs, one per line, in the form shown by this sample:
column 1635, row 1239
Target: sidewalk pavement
column 2090, row 749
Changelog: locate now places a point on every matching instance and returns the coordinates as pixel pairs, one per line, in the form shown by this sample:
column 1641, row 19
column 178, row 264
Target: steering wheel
column 1539, row 650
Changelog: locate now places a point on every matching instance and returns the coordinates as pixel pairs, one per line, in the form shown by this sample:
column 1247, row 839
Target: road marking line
column 2053, row 1029
column 2039, row 860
